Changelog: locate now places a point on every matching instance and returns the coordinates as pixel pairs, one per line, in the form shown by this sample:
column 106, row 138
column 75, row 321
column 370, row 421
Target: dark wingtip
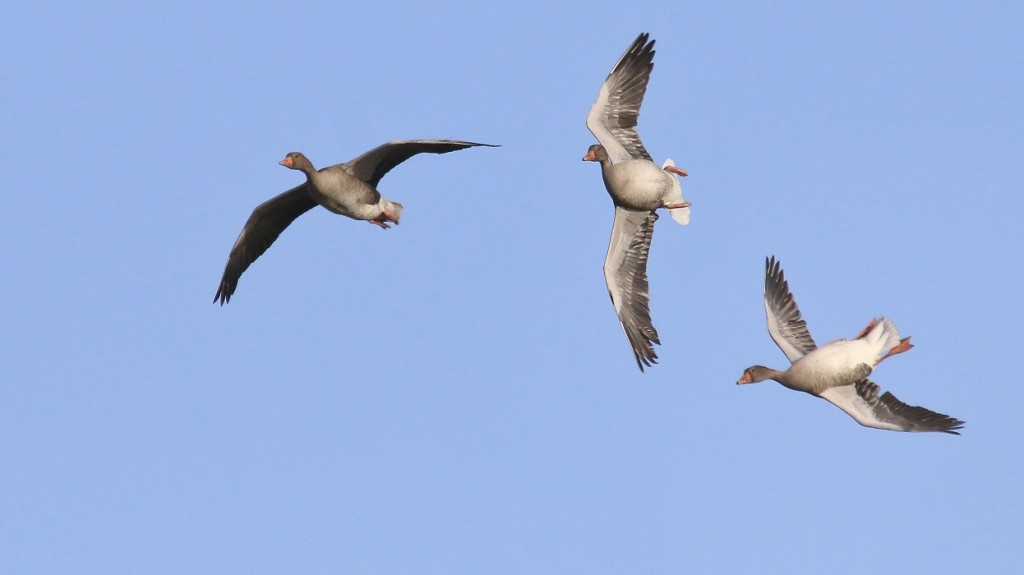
column 954, row 425
column 644, row 45
column 775, row 275
column 645, row 359
column 463, row 144
column 222, row 294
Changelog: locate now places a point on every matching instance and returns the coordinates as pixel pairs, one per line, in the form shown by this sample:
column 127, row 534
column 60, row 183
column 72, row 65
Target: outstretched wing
column 862, row 402
column 787, row 328
column 267, row 222
column 612, row 118
column 625, row 273
column 371, row 166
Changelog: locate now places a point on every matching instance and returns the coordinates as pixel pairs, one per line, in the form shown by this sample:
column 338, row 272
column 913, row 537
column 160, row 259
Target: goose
column 348, row 189
column 838, row 371
column 638, row 187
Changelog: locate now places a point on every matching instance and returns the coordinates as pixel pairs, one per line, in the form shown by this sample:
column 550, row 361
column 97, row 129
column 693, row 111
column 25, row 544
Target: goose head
column 596, row 153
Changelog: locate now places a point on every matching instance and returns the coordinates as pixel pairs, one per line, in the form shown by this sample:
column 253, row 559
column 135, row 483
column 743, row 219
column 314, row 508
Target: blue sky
column 455, row 395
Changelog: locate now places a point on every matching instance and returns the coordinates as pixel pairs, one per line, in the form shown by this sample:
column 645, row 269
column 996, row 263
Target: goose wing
column 267, row 222
column 625, row 273
column 787, row 328
column 612, row 118
column 371, row 166
column 862, row 402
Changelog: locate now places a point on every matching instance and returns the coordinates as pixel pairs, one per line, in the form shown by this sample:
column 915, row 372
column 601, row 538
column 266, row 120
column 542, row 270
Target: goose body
column 639, row 184
column 340, row 192
column 838, row 371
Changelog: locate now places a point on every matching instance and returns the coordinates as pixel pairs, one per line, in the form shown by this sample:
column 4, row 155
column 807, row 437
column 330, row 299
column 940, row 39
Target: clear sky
column 455, row 395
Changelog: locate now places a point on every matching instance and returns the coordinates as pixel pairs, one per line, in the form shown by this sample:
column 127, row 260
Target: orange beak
column 287, row 162
column 744, row 379
column 589, row 157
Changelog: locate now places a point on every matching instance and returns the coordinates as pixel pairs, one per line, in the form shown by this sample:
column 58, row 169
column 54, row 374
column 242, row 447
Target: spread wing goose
column 837, row 372
column 348, row 189
column 638, row 187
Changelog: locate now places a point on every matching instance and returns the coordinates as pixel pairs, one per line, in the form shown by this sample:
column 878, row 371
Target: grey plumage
column 637, row 187
column 348, row 189
column 834, row 374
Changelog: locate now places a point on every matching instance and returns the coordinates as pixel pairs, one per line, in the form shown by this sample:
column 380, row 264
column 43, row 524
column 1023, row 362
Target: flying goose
column 838, row 371
column 638, row 187
column 348, row 189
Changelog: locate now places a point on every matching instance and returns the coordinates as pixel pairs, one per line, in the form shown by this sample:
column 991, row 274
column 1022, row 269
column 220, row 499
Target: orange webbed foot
column 383, row 219
column 902, row 346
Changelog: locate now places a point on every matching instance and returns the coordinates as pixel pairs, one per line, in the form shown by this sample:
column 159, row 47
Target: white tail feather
column 883, row 337
column 680, row 215
column 393, row 208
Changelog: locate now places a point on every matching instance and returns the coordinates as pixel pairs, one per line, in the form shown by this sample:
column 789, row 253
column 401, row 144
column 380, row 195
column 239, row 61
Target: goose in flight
column 348, row 189
column 838, row 371
column 638, row 188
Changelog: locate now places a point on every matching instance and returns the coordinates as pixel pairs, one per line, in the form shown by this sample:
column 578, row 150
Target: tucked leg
column 383, row 219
